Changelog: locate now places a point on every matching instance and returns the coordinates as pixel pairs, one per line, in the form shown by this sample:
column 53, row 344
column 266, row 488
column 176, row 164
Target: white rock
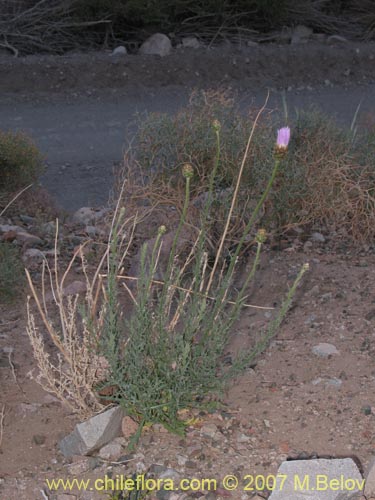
column 324, row 350
column 157, row 44
column 119, row 51
column 320, row 479
column 190, row 42
column 301, row 34
column 94, row 433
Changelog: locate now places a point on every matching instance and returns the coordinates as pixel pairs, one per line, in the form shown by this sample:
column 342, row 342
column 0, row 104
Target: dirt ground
column 292, row 403
column 262, row 66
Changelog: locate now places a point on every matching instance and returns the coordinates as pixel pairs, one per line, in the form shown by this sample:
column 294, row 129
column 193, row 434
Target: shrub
column 11, row 271
column 164, row 351
column 327, row 179
column 20, row 161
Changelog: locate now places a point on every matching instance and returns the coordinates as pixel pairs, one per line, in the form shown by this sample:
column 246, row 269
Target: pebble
column 119, row 51
column 39, row 439
column 318, row 237
column 324, row 350
column 111, row 451
column 366, row 410
column 209, row 430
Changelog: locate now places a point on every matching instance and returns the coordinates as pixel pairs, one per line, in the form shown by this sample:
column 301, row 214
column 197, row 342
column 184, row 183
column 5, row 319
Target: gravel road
column 83, row 129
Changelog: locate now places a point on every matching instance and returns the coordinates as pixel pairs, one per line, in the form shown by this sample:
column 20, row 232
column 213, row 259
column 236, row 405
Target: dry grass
column 75, row 368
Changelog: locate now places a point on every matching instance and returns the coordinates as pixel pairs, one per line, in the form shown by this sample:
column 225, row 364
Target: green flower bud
column 261, row 236
column 216, row 125
column 187, row 171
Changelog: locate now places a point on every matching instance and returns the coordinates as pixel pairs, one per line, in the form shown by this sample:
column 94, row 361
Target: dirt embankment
column 275, row 66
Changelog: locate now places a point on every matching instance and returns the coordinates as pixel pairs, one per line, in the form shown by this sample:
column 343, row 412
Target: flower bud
column 216, row 125
column 283, row 138
column 261, row 236
column 187, row 171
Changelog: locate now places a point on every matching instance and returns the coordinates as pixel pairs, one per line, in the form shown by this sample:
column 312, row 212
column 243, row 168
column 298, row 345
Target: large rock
column 158, row 44
column 94, row 433
column 370, row 480
column 320, row 479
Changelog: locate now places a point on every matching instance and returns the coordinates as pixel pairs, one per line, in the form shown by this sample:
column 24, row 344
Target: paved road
column 83, row 138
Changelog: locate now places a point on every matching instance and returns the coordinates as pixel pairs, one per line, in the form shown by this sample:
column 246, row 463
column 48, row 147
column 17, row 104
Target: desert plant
column 20, row 161
column 73, row 370
column 170, row 357
column 163, row 353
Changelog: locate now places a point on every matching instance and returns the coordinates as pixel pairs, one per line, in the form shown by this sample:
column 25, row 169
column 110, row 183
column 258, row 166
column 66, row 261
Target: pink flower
column 283, row 137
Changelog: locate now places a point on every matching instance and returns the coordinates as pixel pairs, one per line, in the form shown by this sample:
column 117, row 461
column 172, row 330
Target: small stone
column 209, row 430
column 27, row 239
column 66, row 497
column 39, row 439
column 157, row 44
column 324, row 350
column 181, row 460
column 111, row 451
column 310, row 319
column 318, row 237
column 334, row 382
column 301, row 34
column 370, row 315
column 326, row 297
column 307, row 246
column 79, row 466
column 190, row 42
column 119, row 51
column 32, row 255
column 27, row 219
column 366, row 410
column 242, row 438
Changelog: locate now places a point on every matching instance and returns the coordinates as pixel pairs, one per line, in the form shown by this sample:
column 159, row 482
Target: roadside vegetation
column 55, row 26
column 153, row 337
